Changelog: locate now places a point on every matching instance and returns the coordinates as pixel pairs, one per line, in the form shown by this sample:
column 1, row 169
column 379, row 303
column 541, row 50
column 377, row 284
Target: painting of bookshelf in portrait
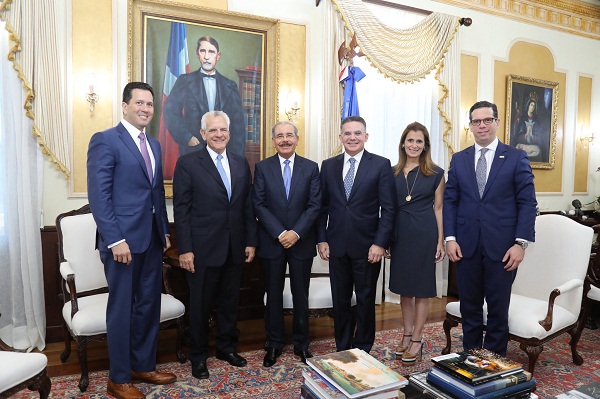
column 251, row 92
column 477, row 365
column 356, row 373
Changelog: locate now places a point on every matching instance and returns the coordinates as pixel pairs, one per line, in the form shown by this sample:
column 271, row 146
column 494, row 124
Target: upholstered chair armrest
column 67, row 273
column 563, row 288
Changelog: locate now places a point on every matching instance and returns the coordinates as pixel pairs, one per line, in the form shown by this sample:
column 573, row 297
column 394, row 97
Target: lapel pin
column 501, row 156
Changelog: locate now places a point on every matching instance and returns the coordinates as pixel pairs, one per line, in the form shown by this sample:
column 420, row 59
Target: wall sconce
column 292, row 106
column 586, row 136
column 466, row 125
column 91, row 96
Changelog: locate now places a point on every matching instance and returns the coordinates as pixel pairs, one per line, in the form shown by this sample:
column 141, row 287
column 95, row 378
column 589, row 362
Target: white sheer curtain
column 388, row 107
column 23, row 321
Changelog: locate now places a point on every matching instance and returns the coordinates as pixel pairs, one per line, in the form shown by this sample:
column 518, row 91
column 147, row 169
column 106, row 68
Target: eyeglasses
column 486, row 121
column 281, row 136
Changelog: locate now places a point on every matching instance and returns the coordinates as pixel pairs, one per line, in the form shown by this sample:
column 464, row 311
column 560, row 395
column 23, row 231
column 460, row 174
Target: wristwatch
column 522, row 244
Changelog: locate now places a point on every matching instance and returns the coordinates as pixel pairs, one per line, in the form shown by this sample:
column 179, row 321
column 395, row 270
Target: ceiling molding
column 571, row 16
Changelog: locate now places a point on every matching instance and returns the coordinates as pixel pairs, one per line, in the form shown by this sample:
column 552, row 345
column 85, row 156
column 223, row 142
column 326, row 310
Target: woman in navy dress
column 418, row 240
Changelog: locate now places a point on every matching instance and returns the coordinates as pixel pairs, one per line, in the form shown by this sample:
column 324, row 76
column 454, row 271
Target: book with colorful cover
column 486, row 387
column 420, row 381
column 307, row 393
column 326, row 390
column 521, row 389
column 477, row 365
column 356, row 373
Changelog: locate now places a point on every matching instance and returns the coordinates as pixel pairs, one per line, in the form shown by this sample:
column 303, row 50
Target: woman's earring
column 402, row 145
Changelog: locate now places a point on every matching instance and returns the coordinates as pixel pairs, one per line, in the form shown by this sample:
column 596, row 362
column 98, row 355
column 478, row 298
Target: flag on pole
column 178, row 63
column 349, row 76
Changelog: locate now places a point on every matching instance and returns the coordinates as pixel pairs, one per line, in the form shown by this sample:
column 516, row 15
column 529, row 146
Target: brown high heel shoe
column 401, row 348
column 410, row 358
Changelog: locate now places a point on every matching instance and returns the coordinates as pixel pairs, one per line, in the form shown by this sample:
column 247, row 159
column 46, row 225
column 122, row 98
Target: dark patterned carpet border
column 555, row 371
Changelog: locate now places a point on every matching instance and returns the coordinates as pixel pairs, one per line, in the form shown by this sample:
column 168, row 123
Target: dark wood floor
column 252, row 337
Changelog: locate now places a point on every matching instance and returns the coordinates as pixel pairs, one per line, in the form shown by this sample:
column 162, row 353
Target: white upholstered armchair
column 547, row 293
column 85, row 290
column 20, row 370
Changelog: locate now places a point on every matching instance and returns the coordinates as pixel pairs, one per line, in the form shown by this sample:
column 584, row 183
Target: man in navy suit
column 201, row 91
column 488, row 222
column 287, row 201
column 216, row 234
column 127, row 199
column 356, row 222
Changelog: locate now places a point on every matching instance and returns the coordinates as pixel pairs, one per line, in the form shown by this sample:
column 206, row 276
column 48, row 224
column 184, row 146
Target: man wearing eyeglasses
column 287, row 201
column 489, row 218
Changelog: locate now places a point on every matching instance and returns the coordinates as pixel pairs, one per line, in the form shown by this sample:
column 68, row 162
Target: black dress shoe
column 199, row 370
column 271, row 357
column 304, row 354
column 232, row 358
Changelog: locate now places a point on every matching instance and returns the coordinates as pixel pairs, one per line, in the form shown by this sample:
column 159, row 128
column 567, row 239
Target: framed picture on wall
column 531, row 118
column 176, row 48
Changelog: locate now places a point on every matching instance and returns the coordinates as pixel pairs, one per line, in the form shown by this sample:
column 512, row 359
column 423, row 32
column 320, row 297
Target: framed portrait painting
column 199, row 59
column 531, row 118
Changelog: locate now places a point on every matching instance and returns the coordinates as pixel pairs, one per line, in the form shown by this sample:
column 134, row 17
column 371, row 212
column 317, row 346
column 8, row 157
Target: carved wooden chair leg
column 41, row 384
column 84, row 381
column 67, row 338
column 448, row 325
column 180, row 332
column 533, row 352
column 575, row 334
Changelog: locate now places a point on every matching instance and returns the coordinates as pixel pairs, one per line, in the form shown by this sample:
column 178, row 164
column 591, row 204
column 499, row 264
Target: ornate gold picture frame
column 163, row 34
column 531, row 118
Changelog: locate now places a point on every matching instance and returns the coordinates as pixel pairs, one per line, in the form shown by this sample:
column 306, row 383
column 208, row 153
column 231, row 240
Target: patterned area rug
column 555, row 371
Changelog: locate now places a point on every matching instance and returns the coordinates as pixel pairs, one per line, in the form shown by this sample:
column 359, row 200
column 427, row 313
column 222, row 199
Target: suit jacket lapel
column 235, row 169
column 363, row 170
column 155, row 146
column 208, row 164
column 470, row 168
column 296, row 175
column 338, row 173
column 132, row 146
column 499, row 158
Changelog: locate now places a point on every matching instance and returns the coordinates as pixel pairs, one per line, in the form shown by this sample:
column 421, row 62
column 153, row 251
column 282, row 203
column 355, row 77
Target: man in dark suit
column 357, row 217
column 489, row 218
column 127, row 199
column 216, row 234
column 287, row 201
column 201, row 91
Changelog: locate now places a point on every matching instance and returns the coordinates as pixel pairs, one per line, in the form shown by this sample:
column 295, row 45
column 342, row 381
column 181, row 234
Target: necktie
column 221, row 170
column 145, row 155
column 287, row 177
column 349, row 179
column 481, row 171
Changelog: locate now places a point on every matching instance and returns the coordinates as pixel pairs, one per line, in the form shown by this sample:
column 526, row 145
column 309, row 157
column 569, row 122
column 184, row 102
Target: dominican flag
column 178, row 63
column 349, row 76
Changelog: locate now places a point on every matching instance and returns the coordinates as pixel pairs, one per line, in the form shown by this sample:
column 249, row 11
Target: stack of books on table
column 350, row 374
column 477, row 374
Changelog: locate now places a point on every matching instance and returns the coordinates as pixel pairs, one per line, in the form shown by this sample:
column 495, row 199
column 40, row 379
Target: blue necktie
column 287, row 177
column 221, row 170
column 349, row 179
column 146, row 155
column 481, row 171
